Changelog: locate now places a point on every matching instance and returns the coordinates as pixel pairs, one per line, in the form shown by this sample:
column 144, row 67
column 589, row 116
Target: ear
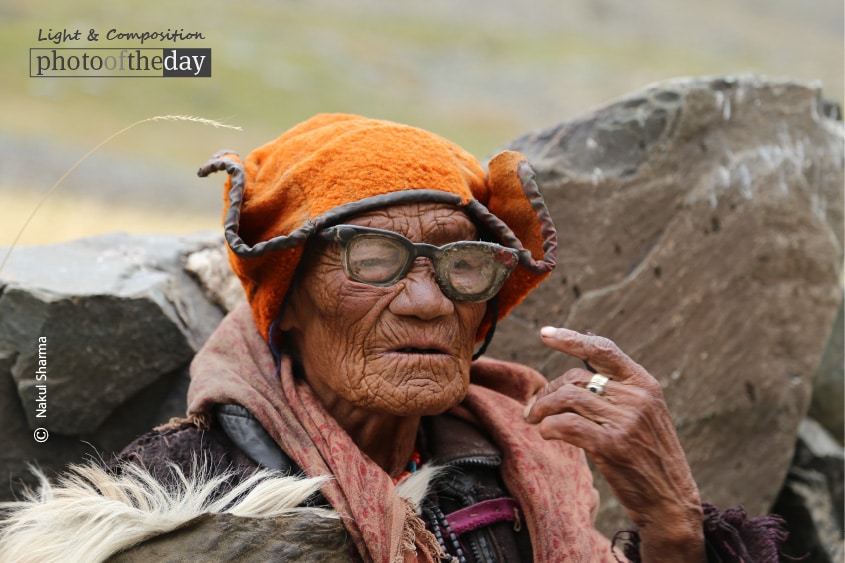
column 280, row 333
column 288, row 318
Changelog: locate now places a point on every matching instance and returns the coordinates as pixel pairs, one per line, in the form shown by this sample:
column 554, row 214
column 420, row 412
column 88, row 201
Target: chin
column 416, row 400
column 432, row 400
column 418, row 386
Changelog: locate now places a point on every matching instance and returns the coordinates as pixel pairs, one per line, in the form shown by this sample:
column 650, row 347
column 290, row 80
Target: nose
column 420, row 296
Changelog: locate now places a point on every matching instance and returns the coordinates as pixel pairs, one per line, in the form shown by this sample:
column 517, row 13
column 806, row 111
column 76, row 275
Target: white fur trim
column 415, row 486
column 91, row 514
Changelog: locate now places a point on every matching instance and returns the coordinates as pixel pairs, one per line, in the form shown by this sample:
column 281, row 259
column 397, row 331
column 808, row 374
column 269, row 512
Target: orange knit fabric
column 308, row 177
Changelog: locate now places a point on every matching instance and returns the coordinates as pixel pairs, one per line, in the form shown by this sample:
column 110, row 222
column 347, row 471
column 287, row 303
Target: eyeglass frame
column 344, row 234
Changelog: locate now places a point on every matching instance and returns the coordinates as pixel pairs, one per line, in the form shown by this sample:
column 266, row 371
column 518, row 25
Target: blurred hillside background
column 477, row 72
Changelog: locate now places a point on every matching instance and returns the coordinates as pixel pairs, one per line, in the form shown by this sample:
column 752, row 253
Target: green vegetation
column 479, row 73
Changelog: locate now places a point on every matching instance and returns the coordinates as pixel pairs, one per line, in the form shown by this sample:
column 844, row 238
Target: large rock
column 108, row 326
column 700, row 227
column 302, row 537
column 20, row 447
column 811, row 500
column 828, row 404
column 104, row 316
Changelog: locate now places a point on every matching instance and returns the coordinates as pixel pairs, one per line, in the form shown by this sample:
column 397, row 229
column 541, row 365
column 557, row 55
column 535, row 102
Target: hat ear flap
column 515, row 199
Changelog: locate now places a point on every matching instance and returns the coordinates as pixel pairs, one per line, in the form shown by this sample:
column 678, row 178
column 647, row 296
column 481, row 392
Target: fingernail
column 548, row 331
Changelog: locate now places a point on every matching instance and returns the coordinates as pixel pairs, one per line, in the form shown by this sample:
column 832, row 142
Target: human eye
column 469, row 271
column 467, row 263
column 375, row 260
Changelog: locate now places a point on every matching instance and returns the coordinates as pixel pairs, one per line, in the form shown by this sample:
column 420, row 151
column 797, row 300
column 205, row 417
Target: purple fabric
column 482, row 514
column 735, row 537
column 729, row 536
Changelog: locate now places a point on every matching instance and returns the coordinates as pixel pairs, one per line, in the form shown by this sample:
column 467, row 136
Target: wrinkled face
column 405, row 349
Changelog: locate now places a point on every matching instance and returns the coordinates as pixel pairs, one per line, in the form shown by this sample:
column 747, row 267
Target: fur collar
column 90, row 514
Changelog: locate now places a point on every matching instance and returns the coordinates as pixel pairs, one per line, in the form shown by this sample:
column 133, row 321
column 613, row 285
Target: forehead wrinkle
column 459, row 227
column 435, row 223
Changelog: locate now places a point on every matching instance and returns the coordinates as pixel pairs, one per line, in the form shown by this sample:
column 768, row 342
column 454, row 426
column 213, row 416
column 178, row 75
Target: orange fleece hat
column 335, row 166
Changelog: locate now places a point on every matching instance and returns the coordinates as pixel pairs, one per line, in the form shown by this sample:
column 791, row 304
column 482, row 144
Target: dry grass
column 70, row 212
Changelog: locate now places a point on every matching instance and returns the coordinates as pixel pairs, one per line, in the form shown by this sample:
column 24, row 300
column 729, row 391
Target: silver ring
column 597, row 383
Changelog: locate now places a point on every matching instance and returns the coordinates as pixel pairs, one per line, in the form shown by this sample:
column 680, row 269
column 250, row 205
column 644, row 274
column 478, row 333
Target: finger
column 575, row 399
column 574, row 429
column 574, row 376
column 580, row 378
column 602, row 353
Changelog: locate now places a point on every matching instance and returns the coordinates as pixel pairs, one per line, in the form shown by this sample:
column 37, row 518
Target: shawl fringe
column 201, row 421
column 416, row 538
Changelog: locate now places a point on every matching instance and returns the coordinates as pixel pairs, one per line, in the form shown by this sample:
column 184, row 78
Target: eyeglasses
column 464, row 270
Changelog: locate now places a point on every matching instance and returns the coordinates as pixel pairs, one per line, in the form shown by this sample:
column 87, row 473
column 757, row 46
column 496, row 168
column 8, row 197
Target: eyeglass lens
column 375, row 259
column 467, row 269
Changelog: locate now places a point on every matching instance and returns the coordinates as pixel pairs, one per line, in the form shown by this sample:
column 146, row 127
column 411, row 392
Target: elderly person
column 377, row 259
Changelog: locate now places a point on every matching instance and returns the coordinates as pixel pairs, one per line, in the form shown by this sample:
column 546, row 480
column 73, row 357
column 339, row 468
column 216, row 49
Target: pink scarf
column 549, row 479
